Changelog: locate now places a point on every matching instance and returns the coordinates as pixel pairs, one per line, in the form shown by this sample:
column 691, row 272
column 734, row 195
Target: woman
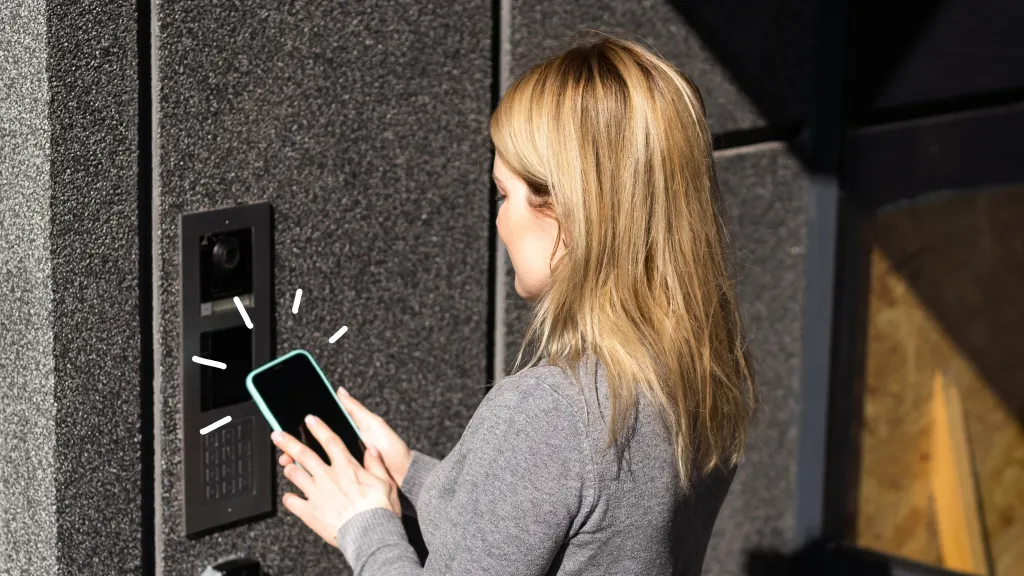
column 611, row 454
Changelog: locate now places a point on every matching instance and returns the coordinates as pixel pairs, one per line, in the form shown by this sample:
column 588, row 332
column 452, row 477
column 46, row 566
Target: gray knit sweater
column 531, row 489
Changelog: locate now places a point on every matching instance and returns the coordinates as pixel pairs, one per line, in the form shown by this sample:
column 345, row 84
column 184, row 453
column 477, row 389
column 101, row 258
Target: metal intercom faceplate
column 228, row 471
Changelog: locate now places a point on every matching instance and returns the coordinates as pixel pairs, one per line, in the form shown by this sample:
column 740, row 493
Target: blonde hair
column 612, row 140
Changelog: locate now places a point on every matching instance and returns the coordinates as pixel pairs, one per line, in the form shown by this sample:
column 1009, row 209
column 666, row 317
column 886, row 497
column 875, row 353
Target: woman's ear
column 561, row 241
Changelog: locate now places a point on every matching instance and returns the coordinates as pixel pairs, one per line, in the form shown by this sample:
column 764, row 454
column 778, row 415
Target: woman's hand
column 333, row 492
column 375, row 430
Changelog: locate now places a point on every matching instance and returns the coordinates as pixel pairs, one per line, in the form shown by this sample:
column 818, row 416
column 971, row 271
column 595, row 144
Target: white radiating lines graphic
column 245, row 315
column 339, row 334
column 215, row 425
column 205, row 362
column 298, row 297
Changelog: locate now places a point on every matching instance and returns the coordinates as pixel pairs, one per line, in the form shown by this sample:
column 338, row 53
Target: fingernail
column 342, row 391
column 373, row 451
column 275, row 436
column 311, row 419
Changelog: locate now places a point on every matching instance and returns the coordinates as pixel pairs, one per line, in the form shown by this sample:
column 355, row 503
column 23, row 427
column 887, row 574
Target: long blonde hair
column 613, row 141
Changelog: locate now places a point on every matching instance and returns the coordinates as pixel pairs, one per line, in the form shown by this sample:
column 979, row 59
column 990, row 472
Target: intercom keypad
column 227, row 456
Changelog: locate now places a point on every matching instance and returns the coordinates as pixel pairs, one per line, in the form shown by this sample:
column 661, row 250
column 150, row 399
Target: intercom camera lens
column 226, row 253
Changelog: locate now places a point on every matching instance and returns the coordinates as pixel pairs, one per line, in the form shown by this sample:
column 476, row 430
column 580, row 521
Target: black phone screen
column 293, row 389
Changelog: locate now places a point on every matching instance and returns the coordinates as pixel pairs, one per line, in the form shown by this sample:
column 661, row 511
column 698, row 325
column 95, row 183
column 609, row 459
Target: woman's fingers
column 377, row 469
column 284, row 460
column 300, row 478
column 299, row 452
column 359, row 413
column 374, row 464
column 300, row 507
column 335, row 448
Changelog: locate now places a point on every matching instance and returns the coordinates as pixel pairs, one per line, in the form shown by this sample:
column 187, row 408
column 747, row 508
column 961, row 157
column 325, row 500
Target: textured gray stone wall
column 751, row 60
column 364, row 123
column 69, row 313
column 28, row 523
column 94, row 248
column 767, row 198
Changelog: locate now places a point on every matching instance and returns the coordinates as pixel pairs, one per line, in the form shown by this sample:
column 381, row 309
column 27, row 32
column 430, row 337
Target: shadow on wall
column 765, row 46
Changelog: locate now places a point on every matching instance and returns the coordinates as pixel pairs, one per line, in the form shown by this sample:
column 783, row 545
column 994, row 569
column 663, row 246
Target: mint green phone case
column 266, row 411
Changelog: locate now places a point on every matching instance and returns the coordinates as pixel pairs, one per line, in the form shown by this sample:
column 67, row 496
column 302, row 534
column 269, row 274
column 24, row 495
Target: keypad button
column 246, row 449
column 229, row 435
column 228, row 453
column 225, row 488
column 211, row 474
column 211, row 492
column 214, row 457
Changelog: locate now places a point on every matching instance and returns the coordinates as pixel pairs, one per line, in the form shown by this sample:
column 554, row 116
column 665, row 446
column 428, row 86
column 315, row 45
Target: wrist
column 402, row 469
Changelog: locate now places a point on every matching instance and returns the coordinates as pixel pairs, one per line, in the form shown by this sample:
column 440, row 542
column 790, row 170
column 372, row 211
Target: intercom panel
column 226, row 268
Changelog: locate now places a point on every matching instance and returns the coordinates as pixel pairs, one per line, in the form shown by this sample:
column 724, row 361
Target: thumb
column 374, row 464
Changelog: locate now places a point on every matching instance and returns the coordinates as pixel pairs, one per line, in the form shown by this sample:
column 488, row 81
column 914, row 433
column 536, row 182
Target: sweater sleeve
column 416, row 476
column 520, row 486
column 375, row 544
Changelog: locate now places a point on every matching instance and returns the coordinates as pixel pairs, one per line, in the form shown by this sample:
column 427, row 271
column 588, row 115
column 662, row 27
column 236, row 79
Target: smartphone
column 293, row 386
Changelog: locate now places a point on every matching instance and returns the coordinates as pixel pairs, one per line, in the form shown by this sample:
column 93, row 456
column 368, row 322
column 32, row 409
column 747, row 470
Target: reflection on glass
column 945, row 312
